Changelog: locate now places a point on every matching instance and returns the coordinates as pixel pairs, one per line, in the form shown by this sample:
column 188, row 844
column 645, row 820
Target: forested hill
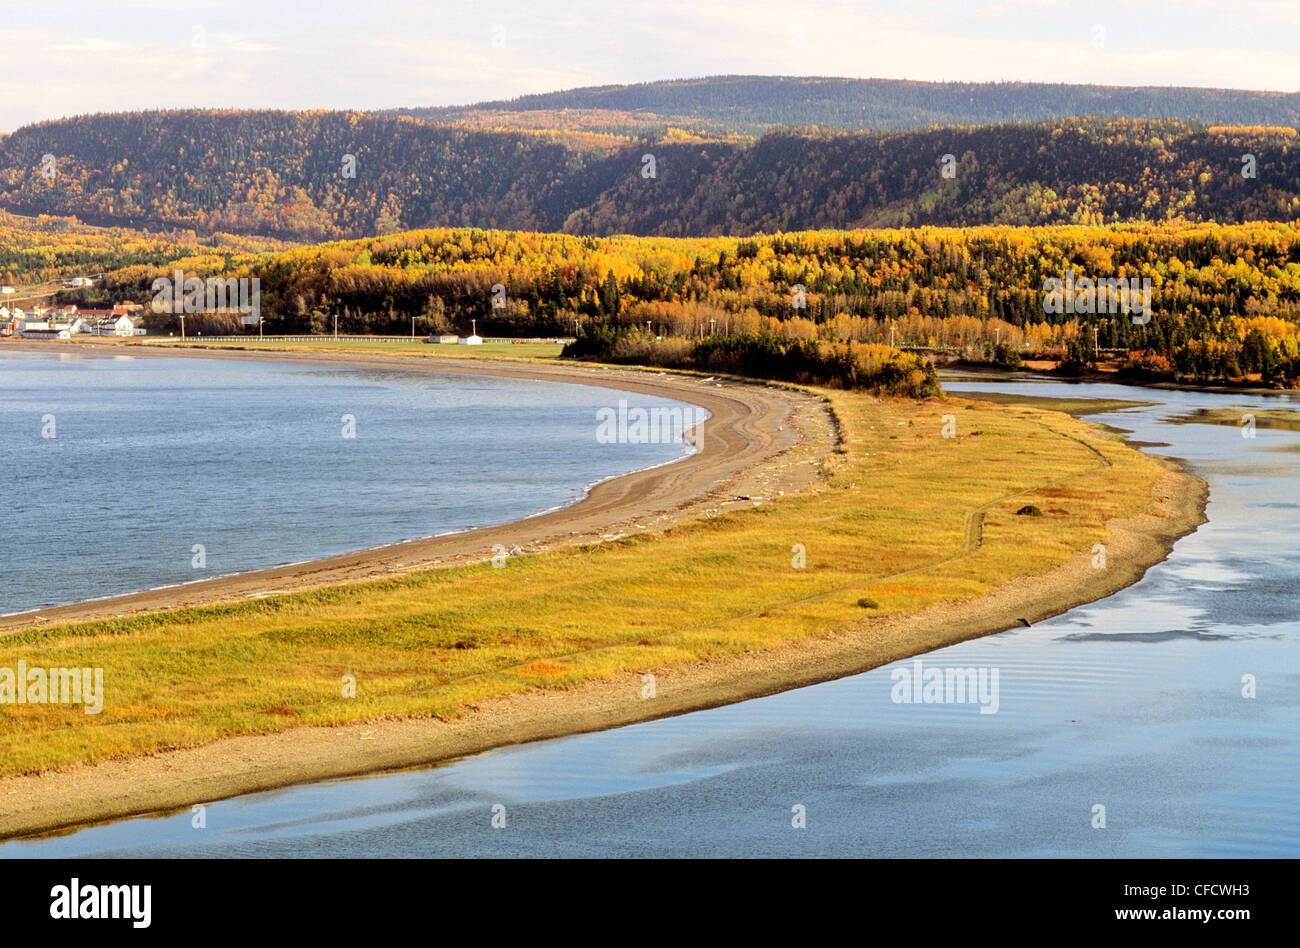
column 288, row 174
column 750, row 105
column 304, row 175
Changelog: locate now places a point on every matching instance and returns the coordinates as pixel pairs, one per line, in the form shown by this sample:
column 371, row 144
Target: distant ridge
column 749, row 105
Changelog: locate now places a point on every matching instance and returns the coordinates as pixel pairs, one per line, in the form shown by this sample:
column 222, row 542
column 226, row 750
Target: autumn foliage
column 322, row 175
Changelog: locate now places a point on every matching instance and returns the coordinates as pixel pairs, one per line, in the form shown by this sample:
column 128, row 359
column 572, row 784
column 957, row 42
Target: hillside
column 750, row 105
column 284, row 174
column 36, row 251
column 1071, row 172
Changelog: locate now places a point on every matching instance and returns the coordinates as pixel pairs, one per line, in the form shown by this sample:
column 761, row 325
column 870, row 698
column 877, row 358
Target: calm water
column 150, row 457
column 1133, row 703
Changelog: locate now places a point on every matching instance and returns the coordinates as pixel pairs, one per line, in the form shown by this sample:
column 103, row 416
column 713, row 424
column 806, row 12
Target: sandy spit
column 761, row 439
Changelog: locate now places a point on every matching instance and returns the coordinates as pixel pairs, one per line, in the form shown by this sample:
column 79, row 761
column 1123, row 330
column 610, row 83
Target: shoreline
column 1110, row 378
column 172, row 780
column 39, row 611
column 750, row 425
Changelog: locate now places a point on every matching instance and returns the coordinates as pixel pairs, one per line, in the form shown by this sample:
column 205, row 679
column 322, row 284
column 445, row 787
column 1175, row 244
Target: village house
column 116, row 326
column 110, row 322
column 64, row 322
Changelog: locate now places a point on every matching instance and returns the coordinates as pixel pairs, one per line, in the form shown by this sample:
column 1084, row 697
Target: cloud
column 88, row 45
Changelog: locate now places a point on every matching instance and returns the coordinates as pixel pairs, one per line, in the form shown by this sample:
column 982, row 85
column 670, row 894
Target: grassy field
column 891, row 528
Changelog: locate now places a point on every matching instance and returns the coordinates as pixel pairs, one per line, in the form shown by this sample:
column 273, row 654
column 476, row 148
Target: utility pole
column 260, row 319
column 1094, row 344
column 336, row 325
column 182, row 326
column 412, row 327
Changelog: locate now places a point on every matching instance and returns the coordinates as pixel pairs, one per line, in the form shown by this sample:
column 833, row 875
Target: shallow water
column 1134, row 703
column 250, row 460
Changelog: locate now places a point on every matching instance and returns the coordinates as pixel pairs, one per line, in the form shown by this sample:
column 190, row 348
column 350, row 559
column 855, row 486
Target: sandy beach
column 760, row 440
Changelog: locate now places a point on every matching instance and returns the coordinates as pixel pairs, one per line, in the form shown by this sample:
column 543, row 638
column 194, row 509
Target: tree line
column 1225, row 300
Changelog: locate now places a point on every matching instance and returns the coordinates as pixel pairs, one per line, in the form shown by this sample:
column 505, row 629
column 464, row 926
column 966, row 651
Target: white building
column 116, row 326
column 473, row 339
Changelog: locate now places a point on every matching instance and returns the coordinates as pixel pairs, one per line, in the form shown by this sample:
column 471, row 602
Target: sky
column 69, row 57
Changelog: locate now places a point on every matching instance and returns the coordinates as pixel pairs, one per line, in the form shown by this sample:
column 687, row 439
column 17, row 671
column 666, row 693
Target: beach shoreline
column 114, row 789
column 750, row 425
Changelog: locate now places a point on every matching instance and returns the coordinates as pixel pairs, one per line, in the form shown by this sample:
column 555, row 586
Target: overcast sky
column 65, row 57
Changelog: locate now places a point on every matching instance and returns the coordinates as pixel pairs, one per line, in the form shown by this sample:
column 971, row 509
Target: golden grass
column 891, row 522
